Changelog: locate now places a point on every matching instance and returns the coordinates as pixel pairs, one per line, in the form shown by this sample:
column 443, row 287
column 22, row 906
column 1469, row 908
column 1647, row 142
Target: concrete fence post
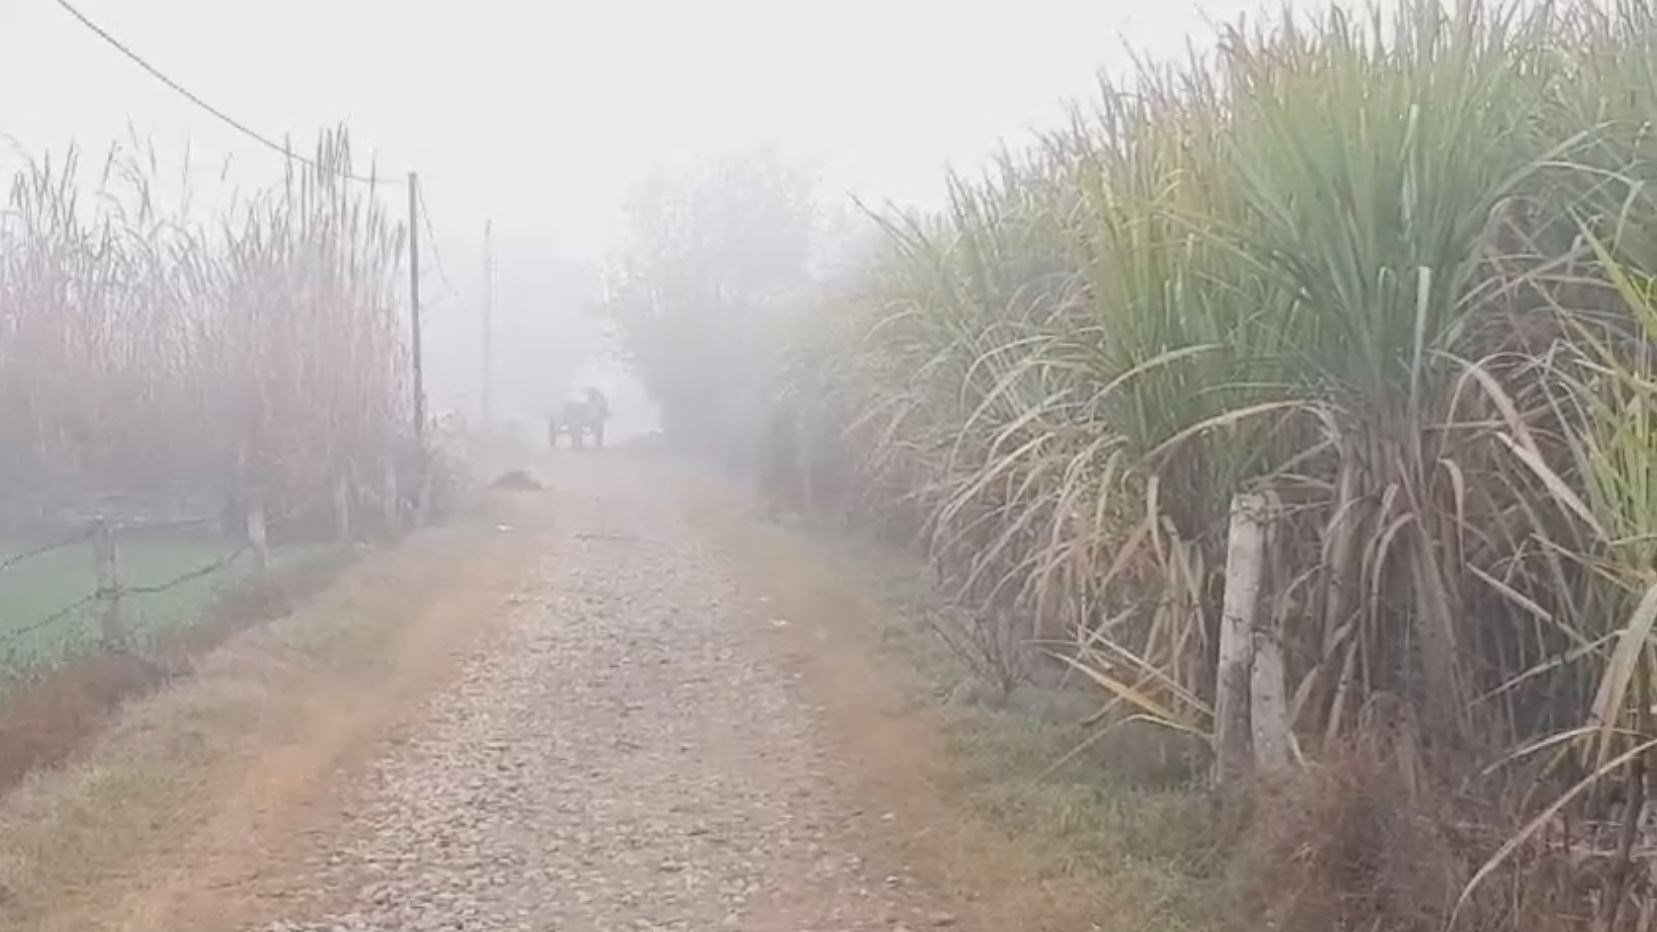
column 388, row 498
column 342, row 507
column 423, row 501
column 1245, row 552
column 107, row 566
column 1274, row 743
column 257, row 537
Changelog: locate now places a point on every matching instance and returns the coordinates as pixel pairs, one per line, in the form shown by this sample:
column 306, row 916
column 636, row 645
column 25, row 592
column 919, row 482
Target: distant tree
column 715, row 257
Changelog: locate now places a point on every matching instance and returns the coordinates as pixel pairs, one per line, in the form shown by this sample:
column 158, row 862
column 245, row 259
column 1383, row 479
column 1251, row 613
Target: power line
column 287, row 153
column 437, row 252
column 229, row 120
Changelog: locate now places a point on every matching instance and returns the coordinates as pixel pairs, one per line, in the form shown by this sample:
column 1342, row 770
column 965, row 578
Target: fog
column 761, row 464
column 543, row 117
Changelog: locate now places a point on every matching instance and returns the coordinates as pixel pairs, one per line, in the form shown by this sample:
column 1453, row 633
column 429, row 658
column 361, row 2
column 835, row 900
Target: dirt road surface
column 614, row 711
column 623, row 755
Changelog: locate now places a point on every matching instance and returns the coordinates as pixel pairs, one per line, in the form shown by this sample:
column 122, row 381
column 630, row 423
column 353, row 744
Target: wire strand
column 18, row 634
column 43, row 549
column 171, row 524
column 431, row 237
column 226, row 118
column 205, row 570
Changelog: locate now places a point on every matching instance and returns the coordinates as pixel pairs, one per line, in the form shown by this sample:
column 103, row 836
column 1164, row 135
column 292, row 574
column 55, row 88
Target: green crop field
column 36, row 588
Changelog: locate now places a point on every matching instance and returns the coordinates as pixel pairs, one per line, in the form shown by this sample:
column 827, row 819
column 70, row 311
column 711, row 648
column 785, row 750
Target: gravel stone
column 622, row 756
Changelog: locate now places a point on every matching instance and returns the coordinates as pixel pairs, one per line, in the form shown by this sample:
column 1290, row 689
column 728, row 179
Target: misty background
column 547, row 118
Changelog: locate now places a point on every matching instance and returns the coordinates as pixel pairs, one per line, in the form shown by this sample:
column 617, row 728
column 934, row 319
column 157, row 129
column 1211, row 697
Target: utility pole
column 414, row 309
column 488, row 394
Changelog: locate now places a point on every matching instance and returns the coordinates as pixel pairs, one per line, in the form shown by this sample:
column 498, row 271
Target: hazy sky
column 542, row 115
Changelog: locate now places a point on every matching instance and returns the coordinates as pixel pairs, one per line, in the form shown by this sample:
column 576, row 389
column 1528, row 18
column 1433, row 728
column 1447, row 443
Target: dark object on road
column 517, row 481
column 579, row 420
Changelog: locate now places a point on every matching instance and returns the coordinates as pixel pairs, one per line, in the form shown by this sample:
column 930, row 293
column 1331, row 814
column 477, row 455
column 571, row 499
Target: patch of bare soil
column 45, row 716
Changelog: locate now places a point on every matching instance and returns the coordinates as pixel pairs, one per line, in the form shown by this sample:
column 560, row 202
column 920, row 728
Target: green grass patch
column 39, row 587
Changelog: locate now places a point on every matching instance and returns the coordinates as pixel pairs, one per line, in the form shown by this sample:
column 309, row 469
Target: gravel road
column 627, row 753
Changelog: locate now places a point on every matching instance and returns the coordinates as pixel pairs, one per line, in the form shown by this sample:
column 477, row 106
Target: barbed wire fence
column 102, row 604
column 101, row 616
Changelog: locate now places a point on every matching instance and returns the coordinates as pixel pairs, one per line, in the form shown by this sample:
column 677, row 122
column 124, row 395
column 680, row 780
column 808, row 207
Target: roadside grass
column 1116, row 833
column 1119, row 813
